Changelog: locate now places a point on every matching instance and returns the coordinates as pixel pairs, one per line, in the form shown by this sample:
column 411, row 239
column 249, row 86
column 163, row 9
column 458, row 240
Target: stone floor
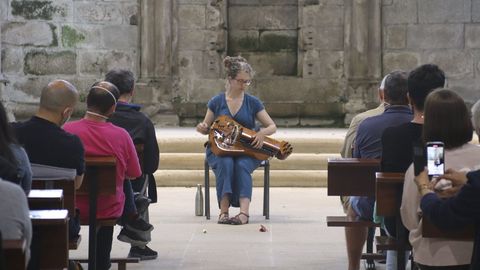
column 297, row 236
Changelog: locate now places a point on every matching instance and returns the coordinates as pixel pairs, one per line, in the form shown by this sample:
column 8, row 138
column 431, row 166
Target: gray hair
column 476, row 116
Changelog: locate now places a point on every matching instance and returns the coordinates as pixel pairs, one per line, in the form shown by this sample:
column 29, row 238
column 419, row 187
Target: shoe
column 223, row 218
column 237, row 221
column 143, row 253
column 131, row 237
column 142, row 203
column 139, row 225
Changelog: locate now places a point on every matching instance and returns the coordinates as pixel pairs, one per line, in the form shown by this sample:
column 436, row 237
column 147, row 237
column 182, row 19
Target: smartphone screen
column 435, row 158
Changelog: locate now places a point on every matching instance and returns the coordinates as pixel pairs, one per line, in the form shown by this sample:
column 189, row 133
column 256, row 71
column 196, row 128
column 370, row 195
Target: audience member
column 368, row 145
column 142, row 131
column 14, row 163
column 348, row 143
column 100, row 138
column 42, row 135
column 446, row 119
column 398, row 141
column 14, row 214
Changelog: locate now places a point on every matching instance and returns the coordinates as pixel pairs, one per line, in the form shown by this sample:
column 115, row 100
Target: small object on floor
column 145, row 253
column 263, row 228
column 204, row 230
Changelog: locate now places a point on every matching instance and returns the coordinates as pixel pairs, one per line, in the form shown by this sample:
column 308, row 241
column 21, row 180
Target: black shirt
column 48, row 144
column 142, row 131
column 397, row 146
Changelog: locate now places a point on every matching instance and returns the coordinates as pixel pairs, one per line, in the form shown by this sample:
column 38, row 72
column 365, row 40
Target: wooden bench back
column 352, row 176
column 388, row 193
column 103, row 169
column 40, row 199
column 68, row 187
column 13, row 252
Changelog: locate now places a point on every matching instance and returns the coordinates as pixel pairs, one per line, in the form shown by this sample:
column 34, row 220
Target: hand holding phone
column 435, row 158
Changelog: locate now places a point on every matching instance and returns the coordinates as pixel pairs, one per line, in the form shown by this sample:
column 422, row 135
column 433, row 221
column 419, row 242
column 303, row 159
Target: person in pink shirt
column 101, row 138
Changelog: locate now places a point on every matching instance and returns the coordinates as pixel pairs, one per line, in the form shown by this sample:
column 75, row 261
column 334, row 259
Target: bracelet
column 423, row 189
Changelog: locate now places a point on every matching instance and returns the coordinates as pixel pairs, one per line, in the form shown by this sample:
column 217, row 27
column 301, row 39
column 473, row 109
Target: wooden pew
column 50, row 232
column 389, row 188
column 68, row 188
column 353, row 177
column 13, row 252
column 39, row 199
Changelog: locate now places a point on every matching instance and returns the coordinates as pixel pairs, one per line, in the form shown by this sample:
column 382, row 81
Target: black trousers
column 104, row 247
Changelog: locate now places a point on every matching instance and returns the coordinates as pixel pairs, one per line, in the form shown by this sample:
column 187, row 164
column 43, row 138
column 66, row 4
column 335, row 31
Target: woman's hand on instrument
column 203, row 128
column 258, row 140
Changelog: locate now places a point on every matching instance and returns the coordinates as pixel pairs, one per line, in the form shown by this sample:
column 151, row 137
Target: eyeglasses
column 246, row 82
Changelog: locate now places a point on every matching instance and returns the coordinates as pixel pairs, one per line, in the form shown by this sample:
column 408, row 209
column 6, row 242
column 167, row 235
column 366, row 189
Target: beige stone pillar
column 363, row 53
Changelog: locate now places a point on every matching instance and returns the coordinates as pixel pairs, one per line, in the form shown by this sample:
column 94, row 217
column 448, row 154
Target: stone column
column 363, row 54
column 158, row 39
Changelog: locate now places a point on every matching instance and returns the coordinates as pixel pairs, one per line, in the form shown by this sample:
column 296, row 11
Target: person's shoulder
column 252, row 98
column 11, row 188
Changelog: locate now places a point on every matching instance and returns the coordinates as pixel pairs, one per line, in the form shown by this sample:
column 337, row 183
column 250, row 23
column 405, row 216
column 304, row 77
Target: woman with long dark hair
column 14, row 163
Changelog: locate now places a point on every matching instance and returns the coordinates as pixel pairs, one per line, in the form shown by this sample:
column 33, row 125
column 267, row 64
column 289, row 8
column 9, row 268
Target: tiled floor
column 297, row 236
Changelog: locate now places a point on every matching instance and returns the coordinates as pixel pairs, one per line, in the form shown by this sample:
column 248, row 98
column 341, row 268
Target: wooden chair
column 50, row 230
column 389, row 188
column 266, row 189
column 99, row 179
column 12, row 254
column 354, row 177
column 39, row 199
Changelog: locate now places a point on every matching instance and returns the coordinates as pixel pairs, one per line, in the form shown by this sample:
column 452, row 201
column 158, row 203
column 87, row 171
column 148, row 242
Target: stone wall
column 318, row 62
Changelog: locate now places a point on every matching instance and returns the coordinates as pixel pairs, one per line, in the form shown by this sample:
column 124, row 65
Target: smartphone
column 435, row 158
column 419, row 160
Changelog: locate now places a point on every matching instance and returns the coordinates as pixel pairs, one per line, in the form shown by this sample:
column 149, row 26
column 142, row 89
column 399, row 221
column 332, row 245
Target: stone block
column 41, row 62
column 212, row 65
column 191, row 39
column 437, row 36
column 466, row 88
column 400, row 12
column 395, row 36
column 120, row 37
column 287, row 121
column 130, row 13
column 274, row 41
column 243, row 17
column 294, row 89
column 323, row 64
column 444, row 11
column 214, row 18
column 99, row 62
column 322, row 15
column 59, row 10
column 11, row 63
column 243, row 40
column 28, row 89
column 323, row 38
column 204, row 89
column 191, row 16
column 215, row 40
column 279, row 2
column 472, row 36
column 316, row 122
column 98, row 12
column 278, row 17
column 29, row 33
column 321, row 109
column 193, row 2
column 3, row 10
column 81, row 36
column 282, row 109
column 400, row 60
column 476, row 10
column 456, row 64
column 273, row 63
column 190, row 64
column 234, row 3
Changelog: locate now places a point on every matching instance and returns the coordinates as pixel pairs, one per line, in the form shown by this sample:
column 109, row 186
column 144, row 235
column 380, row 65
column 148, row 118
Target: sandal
column 237, row 221
column 223, row 218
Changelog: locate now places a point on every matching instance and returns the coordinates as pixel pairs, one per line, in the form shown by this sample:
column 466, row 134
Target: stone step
column 278, row 178
column 300, row 145
column 296, row 161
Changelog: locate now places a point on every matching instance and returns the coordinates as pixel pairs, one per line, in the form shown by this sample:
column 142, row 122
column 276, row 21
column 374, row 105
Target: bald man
column 42, row 136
